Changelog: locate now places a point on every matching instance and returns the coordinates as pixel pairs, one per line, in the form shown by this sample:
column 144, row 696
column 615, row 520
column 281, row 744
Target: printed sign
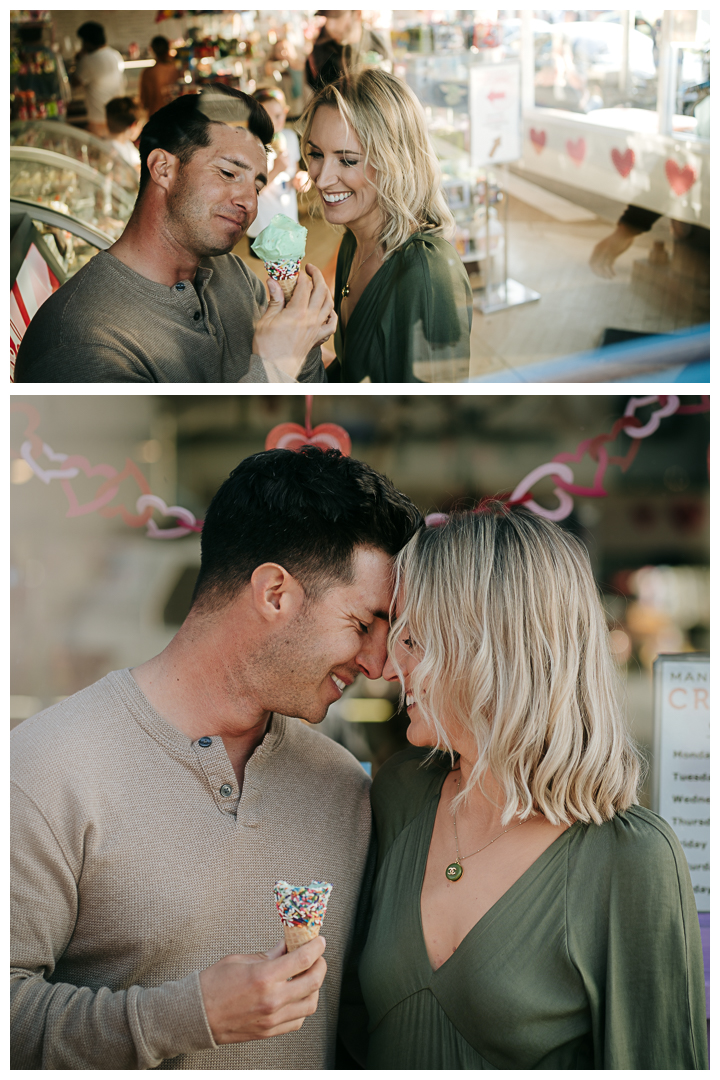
column 682, row 759
column 494, row 113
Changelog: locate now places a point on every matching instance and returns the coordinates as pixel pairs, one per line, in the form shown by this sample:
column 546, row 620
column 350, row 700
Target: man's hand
column 287, row 332
column 251, row 997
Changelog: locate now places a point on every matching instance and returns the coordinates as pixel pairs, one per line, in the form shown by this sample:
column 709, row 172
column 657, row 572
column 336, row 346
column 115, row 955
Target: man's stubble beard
column 185, row 217
column 280, row 660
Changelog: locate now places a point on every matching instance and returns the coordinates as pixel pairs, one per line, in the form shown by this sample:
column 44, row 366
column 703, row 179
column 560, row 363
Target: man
column 100, row 70
column 343, row 43
column 168, row 302
column 154, row 811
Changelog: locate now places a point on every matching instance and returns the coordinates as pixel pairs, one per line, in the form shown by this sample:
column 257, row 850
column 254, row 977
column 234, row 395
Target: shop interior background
column 92, row 594
column 610, row 109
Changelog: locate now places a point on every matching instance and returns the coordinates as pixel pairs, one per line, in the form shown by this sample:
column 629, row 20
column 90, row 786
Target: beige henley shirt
column 136, row 864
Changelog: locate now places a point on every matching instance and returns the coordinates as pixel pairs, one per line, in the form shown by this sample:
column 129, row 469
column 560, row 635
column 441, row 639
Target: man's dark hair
column 306, row 510
column 183, row 126
column 160, row 46
column 92, row 33
column 121, row 113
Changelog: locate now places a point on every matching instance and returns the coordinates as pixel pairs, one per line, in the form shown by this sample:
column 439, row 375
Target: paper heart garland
column 624, row 162
column 538, row 139
column 294, row 436
column 680, row 180
column 576, row 150
column 178, row 512
column 46, row 475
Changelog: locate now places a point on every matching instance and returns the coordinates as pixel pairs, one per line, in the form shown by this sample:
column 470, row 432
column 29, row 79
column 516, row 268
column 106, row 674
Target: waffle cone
column 288, row 286
column 295, row 936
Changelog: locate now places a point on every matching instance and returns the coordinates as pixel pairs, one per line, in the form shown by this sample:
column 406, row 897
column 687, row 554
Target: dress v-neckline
column 493, row 910
column 363, row 295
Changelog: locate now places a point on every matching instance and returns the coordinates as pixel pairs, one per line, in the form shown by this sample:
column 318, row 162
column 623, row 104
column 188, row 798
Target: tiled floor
column 552, row 257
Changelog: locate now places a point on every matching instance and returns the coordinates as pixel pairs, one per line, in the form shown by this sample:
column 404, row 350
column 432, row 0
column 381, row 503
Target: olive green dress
column 591, row 960
column 412, row 322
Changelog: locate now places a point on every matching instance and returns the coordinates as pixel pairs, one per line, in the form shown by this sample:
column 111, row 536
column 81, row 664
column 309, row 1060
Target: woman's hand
column 281, row 163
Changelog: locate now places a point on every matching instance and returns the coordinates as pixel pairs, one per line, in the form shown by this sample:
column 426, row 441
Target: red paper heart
column 680, row 180
column 576, row 150
column 623, row 162
column 538, row 139
column 294, row 436
column 104, row 495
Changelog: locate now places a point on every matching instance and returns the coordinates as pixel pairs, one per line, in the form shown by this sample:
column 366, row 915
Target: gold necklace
column 455, row 871
column 346, row 287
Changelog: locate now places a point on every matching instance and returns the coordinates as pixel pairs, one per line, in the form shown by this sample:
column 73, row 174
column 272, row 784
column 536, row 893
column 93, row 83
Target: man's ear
column 276, row 594
column 163, row 167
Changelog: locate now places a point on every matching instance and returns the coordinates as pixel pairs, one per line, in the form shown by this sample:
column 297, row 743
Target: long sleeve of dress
column 633, row 934
column 58, row 1026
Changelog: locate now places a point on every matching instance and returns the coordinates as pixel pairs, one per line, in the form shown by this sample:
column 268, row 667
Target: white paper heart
column 179, row 512
column 653, row 423
column 565, row 502
column 46, row 475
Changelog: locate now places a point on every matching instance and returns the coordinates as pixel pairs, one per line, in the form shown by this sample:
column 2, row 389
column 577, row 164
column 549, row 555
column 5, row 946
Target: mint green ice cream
column 283, row 240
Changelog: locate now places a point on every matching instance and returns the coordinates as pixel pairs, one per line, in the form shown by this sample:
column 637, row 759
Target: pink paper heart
column 624, row 162
column 597, row 490
column 680, row 180
column 178, row 512
column 550, row 468
column 76, row 508
column 293, row 437
column 46, row 475
column 576, row 150
column 538, row 139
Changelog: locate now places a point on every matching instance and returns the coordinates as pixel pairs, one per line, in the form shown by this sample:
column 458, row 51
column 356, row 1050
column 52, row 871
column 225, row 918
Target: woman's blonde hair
column 503, row 608
column 391, row 127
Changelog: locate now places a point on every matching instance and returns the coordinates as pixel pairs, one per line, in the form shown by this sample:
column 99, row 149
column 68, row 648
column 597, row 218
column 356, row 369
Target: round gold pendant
column 345, row 291
column 454, row 872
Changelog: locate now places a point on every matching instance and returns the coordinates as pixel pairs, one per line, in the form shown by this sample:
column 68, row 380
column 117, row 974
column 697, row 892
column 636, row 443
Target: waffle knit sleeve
column 58, row 1026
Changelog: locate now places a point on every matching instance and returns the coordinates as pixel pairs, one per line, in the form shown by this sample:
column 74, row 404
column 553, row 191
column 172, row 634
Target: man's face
column 213, row 198
column 343, row 634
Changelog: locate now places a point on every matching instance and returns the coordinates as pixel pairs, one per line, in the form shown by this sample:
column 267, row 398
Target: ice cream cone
column 288, row 286
column 295, row 936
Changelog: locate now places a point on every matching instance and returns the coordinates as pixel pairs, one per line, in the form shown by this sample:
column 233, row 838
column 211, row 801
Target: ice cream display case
column 46, row 248
column 71, row 187
column 78, row 145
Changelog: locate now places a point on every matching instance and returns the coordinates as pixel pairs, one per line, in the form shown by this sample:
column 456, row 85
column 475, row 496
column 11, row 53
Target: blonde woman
column 527, row 912
column 402, row 295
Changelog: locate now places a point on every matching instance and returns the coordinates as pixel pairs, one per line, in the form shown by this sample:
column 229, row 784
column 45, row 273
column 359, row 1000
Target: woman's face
column 336, row 167
column 407, row 655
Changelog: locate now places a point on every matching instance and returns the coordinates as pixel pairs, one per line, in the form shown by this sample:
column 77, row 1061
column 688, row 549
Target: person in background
column 157, row 82
column 402, row 295
column 100, row 70
column 125, row 122
column 284, row 180
column 344, row 43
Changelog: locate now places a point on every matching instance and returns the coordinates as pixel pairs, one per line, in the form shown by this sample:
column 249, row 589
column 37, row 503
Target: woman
column 402, row 295
column 527, row 913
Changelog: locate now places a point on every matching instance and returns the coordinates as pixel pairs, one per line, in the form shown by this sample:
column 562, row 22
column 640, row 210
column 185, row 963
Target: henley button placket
column 226, row 791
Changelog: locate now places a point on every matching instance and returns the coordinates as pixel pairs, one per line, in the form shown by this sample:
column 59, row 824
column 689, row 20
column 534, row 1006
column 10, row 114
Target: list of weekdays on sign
column 682, row 759
column 494, row 113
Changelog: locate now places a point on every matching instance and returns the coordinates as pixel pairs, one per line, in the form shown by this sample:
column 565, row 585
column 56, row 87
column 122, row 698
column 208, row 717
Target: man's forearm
column 59, row 1026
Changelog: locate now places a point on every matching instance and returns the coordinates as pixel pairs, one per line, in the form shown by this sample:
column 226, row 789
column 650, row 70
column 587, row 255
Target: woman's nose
column 327, row 175
column 389, row 673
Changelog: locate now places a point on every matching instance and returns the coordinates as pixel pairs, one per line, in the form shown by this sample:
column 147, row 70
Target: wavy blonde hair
column 391, row 127
column 514, row 648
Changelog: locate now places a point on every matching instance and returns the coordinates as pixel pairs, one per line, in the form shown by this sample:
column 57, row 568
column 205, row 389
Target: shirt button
column 196, row 316
column 180, row 286
column 205, row 741
column 226, row 790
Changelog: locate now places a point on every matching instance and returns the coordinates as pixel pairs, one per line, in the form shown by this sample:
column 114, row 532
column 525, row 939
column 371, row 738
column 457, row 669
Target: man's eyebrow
column 243, row 165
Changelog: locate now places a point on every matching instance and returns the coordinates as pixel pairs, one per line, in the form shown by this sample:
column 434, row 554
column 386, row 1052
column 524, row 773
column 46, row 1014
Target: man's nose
column 373, row 654
column 246, row 196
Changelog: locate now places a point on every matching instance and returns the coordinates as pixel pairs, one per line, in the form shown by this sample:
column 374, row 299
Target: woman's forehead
column 330, row 127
